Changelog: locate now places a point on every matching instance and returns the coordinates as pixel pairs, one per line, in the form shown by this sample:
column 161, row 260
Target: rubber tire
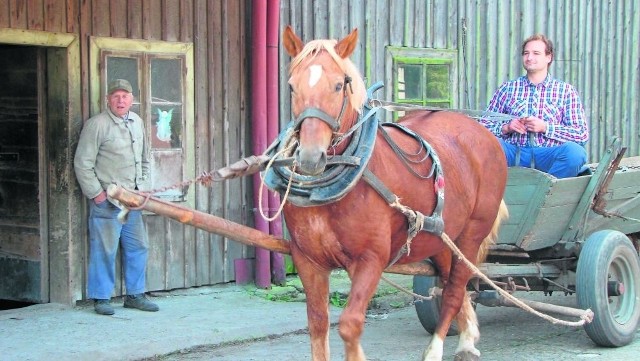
column 609, row 255
column 429, row 310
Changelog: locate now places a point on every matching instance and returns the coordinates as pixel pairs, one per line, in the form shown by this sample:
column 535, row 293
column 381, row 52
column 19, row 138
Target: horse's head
column 327, row 94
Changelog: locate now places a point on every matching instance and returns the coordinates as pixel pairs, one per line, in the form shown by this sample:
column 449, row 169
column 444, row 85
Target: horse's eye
column 338, row 87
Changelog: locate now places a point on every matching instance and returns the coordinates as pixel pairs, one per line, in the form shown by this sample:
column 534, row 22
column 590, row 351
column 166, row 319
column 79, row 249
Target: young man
column 551, row 128
column 112, row 149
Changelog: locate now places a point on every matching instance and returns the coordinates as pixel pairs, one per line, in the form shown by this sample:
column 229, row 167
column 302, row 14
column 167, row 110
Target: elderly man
column 112, row 149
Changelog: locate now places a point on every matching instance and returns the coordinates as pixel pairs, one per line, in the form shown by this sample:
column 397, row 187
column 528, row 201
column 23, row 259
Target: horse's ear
column 292, row 43
column 345, row 47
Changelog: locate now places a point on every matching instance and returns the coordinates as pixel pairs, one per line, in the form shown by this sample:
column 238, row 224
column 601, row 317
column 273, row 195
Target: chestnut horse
column 360, row 231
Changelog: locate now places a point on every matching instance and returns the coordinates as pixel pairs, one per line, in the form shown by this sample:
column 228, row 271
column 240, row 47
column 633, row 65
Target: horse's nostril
column 311, row 162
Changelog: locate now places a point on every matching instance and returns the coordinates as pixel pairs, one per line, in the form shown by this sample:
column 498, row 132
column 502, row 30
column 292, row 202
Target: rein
column 475, row 114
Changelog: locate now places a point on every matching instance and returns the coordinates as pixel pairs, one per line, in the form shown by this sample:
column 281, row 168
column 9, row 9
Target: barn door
column 23, row 183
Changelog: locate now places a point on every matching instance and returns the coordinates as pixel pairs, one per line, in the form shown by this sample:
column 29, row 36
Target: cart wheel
column 429, row 310
column 608, row 265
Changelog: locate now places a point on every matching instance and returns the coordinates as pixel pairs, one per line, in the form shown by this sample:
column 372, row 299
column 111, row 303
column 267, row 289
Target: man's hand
column 514, row 126
column 534, row 124
column 100, row 198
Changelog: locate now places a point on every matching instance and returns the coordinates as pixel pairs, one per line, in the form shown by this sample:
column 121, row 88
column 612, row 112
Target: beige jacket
column 111, row 150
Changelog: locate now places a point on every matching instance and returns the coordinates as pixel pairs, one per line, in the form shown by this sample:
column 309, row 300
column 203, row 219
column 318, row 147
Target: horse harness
column 345, row 170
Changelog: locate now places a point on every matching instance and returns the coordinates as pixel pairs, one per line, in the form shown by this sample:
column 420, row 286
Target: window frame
column 101, row 47
column 424, row 56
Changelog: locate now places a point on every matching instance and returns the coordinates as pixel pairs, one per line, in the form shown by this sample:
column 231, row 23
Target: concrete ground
column 205, row 316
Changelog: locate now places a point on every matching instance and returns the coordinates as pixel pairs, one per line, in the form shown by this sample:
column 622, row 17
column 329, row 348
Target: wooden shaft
column 551, row 308
column 200, row 220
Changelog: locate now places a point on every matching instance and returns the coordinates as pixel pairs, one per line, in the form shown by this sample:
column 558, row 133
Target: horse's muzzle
column 310, row 161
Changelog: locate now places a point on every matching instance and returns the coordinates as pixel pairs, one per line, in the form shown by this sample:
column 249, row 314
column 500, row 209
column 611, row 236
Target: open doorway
column 23, row 185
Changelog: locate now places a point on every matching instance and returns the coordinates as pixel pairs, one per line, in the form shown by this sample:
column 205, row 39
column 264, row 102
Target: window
column 162, row 80
column 422, row 77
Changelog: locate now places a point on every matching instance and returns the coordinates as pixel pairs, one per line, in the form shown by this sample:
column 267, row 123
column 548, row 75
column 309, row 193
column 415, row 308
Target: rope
column 415, row 220
column 144, row 203
column 415, row 295
column 286, row 193
column 587, row 317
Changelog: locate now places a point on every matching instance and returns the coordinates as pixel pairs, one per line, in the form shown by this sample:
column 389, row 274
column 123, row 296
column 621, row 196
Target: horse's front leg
column 316, row 287
column 364, row 281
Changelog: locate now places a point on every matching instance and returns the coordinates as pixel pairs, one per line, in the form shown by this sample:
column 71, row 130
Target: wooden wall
column 597, row 48
column 180, row 256
column 485, row 33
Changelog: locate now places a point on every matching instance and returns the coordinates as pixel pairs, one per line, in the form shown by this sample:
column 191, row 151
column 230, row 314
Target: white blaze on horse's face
column 315, row 73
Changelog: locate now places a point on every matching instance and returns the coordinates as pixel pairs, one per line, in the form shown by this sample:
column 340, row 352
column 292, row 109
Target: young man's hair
column 548, row 45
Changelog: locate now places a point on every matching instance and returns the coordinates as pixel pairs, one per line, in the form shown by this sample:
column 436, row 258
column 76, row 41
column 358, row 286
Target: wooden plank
column 134, row 19
column 186, row 21
column 234, row 145
column 419, row 28
column 549, row 227
column 24, row 283
column 157, row 262
column 35, row 15
column 85, row 31
column 100, row 18
column 187, row 10
column 5, row 11
column 18, row 14
column 175, row 256
column 398, row 33
column 55, row 16
column 72, row 17
column 151, row 20
column 118, row 18
column 337, row 12
column 66, row 203
column 217, row 106
column 193, row 250
column 320, row 17
column 170, row 20
column 568, row 190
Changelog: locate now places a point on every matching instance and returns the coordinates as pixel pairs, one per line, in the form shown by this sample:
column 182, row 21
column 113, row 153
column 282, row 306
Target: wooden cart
column 575, row 235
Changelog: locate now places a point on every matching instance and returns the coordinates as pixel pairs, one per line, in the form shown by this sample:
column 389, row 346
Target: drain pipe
column 259, row 130
column 278, row 274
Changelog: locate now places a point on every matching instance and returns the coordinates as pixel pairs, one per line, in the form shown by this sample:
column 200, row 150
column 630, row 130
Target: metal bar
column 497, row 270
column 576, row 225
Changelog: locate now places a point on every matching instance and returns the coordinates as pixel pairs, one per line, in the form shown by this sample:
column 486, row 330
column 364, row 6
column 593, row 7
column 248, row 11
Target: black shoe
column 103, row 307
column 140, row 302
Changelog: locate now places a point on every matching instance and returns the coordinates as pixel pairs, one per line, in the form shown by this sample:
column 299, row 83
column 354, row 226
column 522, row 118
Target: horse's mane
column 314, row 47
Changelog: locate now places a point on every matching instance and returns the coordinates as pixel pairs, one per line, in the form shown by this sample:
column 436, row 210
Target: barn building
column 213, row 74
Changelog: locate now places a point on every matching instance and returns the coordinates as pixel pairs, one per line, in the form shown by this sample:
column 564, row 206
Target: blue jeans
column 106, row 234
column 563, row 161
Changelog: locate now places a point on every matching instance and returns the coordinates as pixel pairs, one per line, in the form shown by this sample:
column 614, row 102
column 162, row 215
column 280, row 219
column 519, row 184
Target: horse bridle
column 322, row 115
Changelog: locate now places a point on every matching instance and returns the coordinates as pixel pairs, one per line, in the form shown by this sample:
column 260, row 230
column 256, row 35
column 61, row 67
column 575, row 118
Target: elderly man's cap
column 119, row 84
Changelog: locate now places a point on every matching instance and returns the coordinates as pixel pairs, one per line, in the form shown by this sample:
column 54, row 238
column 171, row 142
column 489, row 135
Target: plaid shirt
column 554, row 101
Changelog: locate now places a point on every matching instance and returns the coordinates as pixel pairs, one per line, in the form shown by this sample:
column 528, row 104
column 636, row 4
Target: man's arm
column 85, row 160
column 573, row 126
column 497, row 127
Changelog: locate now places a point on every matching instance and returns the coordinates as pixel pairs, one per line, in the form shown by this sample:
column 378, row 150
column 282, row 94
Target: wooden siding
column 597, row 51
column 597, row 48
column 180, row 256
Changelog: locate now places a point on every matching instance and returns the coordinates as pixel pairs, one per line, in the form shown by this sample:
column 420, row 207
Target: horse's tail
column 490, row 239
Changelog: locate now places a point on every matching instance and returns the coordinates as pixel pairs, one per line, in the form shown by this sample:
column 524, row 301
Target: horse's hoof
column 466, row 356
